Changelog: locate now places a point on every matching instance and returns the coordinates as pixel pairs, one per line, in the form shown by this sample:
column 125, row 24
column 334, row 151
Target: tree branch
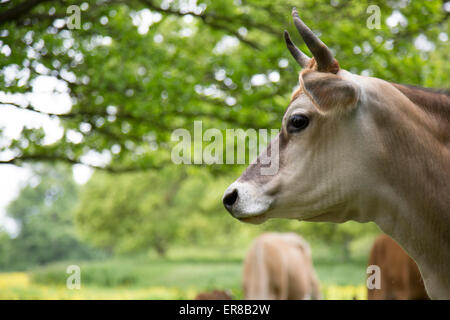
column 49, row 158
column 146, row 120
column 207, row 19
column 19, row 10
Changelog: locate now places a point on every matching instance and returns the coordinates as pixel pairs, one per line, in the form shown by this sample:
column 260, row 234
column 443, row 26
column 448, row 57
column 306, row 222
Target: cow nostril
column 230, row 199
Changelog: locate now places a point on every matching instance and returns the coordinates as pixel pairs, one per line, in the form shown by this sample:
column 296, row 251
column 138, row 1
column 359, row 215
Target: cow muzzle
column 246, row 202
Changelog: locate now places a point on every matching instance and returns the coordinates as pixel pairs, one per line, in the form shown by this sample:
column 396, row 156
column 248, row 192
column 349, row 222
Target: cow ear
column 329, row 92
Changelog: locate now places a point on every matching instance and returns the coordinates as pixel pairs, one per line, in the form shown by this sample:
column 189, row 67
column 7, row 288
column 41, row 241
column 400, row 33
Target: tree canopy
column 136, row 70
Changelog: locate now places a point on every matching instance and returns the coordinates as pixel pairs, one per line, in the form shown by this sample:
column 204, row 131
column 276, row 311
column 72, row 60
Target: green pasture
column 181, row 275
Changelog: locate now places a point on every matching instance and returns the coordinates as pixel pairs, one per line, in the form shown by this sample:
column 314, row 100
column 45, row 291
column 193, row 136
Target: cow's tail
column 314, row 280
column 305, row 247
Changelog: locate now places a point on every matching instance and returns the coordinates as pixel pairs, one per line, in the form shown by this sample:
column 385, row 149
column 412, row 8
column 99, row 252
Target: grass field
column 180, row 276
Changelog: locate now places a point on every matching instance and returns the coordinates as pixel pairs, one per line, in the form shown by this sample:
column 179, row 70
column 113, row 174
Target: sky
column 49, row 95
column 11, row 178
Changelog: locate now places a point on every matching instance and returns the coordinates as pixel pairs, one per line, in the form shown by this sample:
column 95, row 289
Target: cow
column 357, row 148
column 214, row 295
column 400, row 276
column 278, row 266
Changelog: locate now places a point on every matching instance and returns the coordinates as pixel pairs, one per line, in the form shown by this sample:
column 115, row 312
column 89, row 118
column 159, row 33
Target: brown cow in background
column 400, row 276
column 278, row 266
column 214, row 295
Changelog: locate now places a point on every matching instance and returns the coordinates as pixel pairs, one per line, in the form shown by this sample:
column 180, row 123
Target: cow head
column 323, row 148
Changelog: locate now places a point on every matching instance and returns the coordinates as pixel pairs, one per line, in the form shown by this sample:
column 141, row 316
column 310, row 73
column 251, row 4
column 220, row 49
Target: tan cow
column 357, row 148
column 400, row 276
column 278, row 266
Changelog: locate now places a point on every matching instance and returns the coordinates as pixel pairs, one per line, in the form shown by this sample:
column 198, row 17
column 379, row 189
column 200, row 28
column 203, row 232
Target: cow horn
column 322, row 55
column 301, row 58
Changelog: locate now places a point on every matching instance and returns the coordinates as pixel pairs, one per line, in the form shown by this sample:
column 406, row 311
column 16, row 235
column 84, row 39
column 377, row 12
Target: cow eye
column 297, row 122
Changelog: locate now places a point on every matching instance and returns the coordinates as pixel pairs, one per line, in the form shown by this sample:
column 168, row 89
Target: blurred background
column 90, row 93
